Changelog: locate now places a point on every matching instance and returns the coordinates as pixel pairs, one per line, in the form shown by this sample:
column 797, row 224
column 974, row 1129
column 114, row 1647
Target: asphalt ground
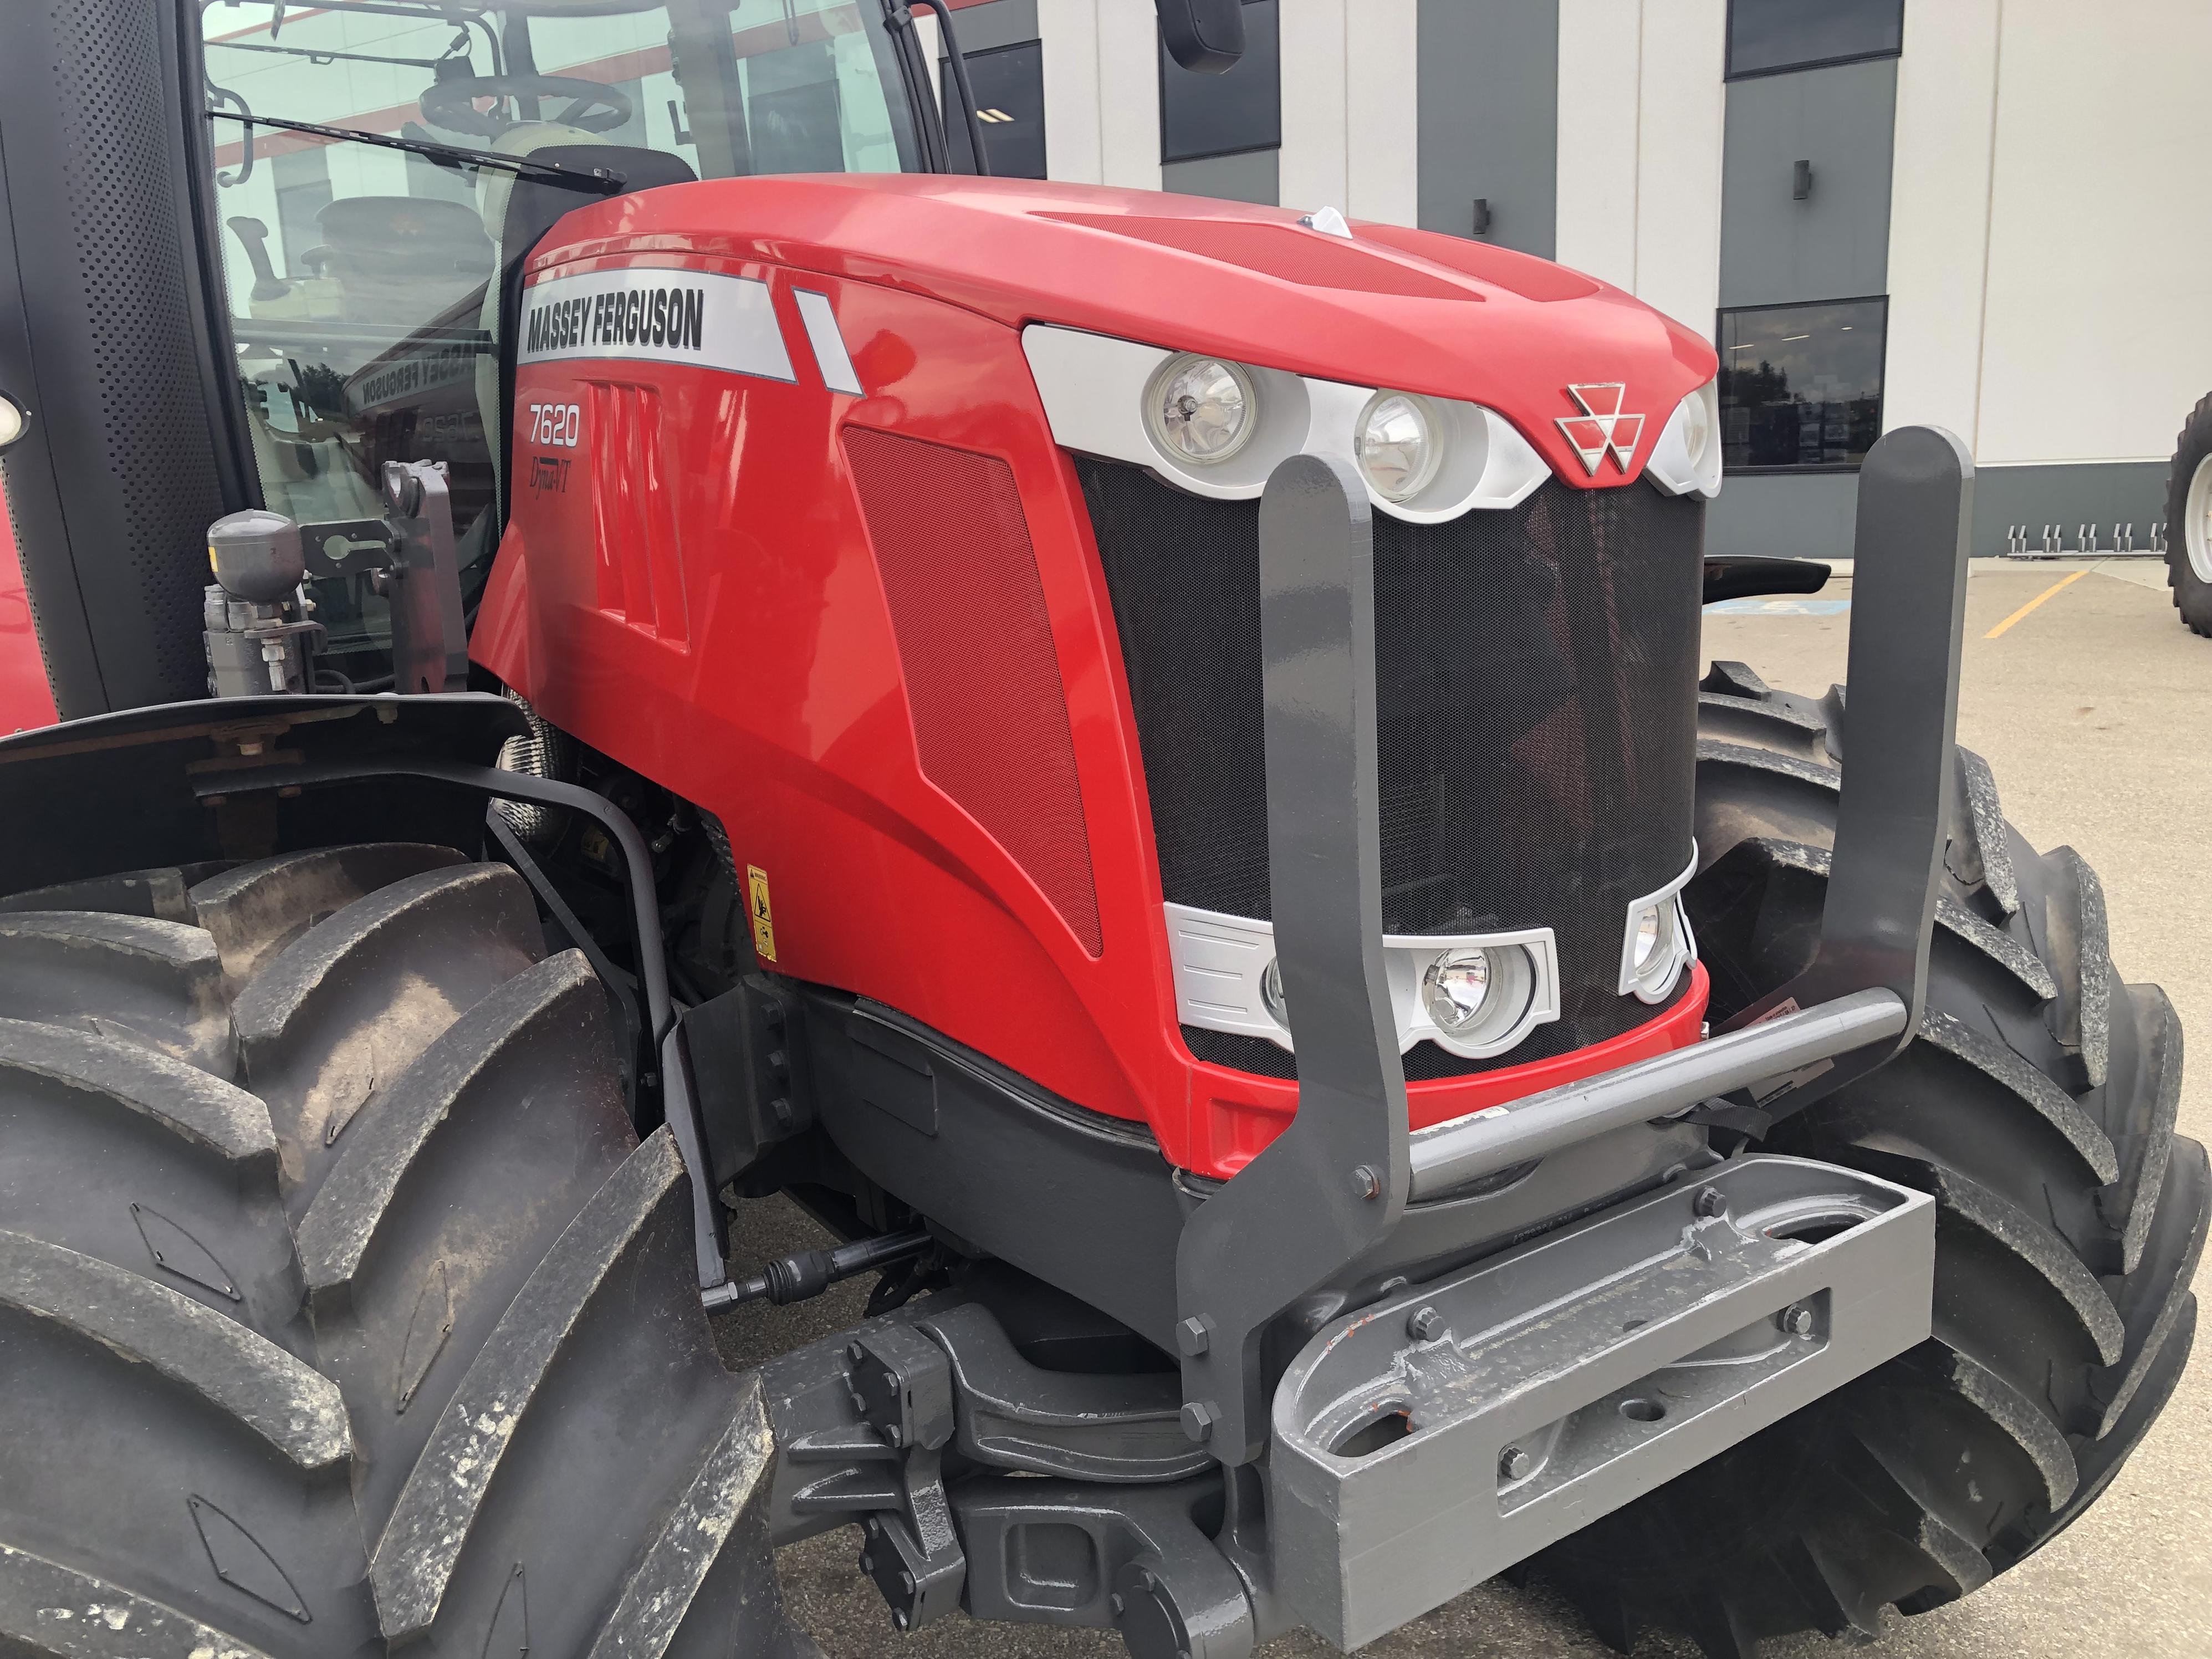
column 2094, row 711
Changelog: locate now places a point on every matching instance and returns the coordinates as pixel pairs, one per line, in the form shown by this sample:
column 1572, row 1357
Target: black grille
column 1536, row 693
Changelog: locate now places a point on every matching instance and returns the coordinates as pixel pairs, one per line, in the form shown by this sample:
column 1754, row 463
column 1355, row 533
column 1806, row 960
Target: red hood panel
column 1405, row 309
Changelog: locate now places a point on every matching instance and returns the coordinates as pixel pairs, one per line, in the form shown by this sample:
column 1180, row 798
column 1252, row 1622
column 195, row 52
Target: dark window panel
column 1767, row 36
column 1801, row 386
column 1223, row 114
column 1009, row 84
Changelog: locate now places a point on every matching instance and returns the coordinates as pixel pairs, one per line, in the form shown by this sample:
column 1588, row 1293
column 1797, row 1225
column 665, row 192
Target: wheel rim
column 2196, row 521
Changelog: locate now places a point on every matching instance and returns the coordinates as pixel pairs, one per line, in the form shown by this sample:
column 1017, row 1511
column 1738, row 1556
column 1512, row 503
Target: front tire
column 2037, row 1104
column 2189, row 520
column 341, row 1310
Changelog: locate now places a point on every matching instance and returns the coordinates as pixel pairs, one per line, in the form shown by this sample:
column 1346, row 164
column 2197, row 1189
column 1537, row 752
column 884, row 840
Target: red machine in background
column 25, row 701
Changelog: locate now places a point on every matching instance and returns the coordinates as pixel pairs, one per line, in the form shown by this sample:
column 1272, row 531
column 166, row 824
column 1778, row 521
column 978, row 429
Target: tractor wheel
column 341, row 1310
column 2036, row 1103
column 2189, row 520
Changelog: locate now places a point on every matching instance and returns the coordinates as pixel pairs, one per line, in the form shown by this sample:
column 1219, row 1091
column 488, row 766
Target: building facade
column 1980, row 214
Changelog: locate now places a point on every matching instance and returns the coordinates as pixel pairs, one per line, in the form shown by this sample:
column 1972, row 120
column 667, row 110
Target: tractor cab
column 378, row 169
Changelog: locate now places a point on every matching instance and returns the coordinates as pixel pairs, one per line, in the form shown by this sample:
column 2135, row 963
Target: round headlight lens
column 1455, row 989
column 1697, row 428
column 1649, row 928
column 14, row 422
column 1201, row 409
column 1652, row 952
column 1397, row 444
column 1271, row 994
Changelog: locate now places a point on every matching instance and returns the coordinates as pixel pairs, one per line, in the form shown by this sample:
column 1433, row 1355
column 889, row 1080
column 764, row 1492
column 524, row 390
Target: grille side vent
column 975, row 650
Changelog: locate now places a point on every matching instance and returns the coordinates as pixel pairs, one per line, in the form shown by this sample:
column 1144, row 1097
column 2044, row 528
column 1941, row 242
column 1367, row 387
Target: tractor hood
column 1388, row 307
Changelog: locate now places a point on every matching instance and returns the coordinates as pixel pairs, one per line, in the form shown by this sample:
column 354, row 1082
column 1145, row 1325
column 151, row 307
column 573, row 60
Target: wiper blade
column 603, row 179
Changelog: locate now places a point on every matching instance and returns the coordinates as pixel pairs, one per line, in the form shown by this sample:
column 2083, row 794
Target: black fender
column 115, row 791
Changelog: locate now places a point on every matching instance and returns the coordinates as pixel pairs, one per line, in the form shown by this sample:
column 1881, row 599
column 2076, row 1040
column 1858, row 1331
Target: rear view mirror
column 1206, row 35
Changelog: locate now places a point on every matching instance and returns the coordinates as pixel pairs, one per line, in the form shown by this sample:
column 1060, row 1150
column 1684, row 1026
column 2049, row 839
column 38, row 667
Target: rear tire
column 341, row 1309
column 2037, row 1105
column 2189, row 520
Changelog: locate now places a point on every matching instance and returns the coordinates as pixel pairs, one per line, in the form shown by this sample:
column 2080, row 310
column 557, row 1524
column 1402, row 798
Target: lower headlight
column 1479, row 997
column 1456, row 989
column 1271, row 994
column 1398, row 445
column 1654, row 956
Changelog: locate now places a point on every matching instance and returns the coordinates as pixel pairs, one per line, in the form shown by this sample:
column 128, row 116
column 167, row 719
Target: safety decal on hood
column 656, row 315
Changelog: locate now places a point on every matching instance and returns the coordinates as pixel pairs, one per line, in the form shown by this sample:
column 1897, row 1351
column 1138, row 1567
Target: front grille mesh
column 1536, row 693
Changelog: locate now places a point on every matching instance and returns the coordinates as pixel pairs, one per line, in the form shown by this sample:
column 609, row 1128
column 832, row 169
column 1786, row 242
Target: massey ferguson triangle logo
column 1602, row 425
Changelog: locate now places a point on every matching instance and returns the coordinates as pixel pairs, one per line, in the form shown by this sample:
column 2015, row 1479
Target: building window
column 1009, row 84
column 1801, row 386
column 1768, row 36
column 1226, row 114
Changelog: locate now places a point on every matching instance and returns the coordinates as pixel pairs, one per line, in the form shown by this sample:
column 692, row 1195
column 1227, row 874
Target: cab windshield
column 362, row 278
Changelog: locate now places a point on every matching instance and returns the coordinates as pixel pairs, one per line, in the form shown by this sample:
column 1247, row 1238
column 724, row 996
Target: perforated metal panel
column 1536, row 690
column 975, row 643
column 114, row 542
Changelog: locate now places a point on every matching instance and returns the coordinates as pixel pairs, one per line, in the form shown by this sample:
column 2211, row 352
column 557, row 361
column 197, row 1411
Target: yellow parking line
column 2054, row 587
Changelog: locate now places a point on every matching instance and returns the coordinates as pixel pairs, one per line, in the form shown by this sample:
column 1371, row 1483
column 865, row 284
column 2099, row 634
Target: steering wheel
column 452, row 103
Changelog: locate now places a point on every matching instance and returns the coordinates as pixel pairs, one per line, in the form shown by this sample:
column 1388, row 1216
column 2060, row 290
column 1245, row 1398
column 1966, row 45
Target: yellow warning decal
column 763, row 922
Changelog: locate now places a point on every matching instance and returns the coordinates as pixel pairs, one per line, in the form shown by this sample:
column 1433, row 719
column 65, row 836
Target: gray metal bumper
column 1568, row 1377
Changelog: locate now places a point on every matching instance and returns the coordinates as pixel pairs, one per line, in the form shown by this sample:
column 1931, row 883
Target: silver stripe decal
column 651, row 314
column 828, row 341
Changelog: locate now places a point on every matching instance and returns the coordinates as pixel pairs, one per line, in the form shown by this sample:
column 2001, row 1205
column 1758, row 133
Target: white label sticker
column 656, row 315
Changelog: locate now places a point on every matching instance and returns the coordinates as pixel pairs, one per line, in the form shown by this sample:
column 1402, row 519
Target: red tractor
column 1142, row 760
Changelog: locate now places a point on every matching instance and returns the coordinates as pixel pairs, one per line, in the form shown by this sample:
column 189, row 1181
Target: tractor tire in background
column 2189, row 520
column 2036, row 1103
column 341, row 1310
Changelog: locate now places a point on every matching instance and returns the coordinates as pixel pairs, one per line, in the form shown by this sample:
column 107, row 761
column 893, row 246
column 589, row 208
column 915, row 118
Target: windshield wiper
column 605, row 180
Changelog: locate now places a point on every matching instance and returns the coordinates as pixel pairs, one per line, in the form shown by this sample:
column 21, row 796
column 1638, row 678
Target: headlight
column 1479, row 998
column 1687, row 456
column 1650, row 949
column 1271, row 994
column 1200, row 409
column 1456, row 988
column 1697, row 428
column 1655, row 945
column 14, row 422
column 1397, row 444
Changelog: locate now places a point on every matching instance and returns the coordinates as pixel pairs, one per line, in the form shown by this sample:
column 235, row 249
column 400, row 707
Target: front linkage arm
column 1908, row 614
column 1335, row 1181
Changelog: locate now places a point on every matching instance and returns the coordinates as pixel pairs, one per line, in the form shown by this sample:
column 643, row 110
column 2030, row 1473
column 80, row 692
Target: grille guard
column 1337, row 1181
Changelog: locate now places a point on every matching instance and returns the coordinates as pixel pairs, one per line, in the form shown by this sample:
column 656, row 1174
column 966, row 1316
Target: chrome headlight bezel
column 1674, row 946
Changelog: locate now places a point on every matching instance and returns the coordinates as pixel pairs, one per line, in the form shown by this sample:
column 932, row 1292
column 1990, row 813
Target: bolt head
column 1422, row 1323
column 1366, row 1183
column 1115, row 1603
column 901, row 1618
column 1515, row 1464
column 867, row 1562
column 1199, row 1416
column 1709, row 1202
column 1797, row 1321
column 1195, row 1336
